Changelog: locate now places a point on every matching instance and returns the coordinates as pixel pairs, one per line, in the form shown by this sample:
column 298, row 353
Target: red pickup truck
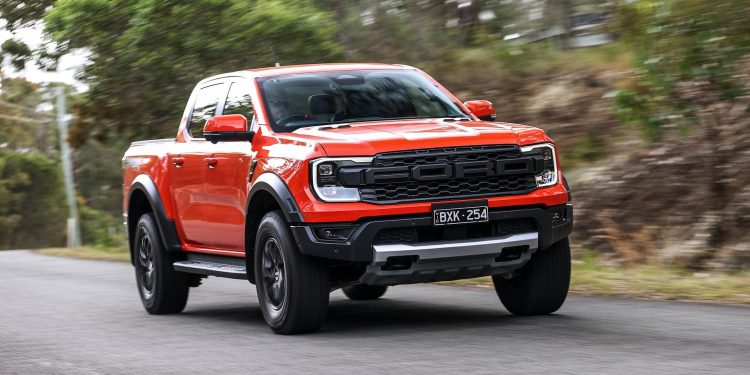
column 307, row 179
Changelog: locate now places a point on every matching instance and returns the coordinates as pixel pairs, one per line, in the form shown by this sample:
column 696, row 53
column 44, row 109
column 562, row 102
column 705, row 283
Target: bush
column 32, row 201
column 98, row 228
column 689, row 59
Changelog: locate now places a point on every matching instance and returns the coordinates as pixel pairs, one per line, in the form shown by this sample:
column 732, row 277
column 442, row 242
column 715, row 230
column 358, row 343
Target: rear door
column 187, row 166
column 228, row 167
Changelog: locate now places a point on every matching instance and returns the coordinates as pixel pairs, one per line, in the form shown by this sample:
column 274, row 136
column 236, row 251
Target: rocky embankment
column 682, row 201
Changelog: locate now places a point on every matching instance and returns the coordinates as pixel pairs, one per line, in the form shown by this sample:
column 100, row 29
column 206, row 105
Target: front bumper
column 448, row 260
column 359, row 249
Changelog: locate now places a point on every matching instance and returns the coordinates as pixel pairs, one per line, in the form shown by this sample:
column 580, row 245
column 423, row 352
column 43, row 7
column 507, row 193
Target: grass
column 118, row 254
column 588, row 277
column 544, row 57
column 649, row 282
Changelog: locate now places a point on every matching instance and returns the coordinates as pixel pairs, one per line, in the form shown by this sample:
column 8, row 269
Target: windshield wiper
column 360, row 119
column 376, row 118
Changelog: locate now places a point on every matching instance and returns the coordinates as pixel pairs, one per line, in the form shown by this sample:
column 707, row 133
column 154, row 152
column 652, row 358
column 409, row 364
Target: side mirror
column 227, row 128
column 482, row 109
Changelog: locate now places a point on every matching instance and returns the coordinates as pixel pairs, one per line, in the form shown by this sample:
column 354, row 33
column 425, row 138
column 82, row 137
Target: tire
column 364, row 292
column 292, row 288
column 162, row 289
column 542, row 284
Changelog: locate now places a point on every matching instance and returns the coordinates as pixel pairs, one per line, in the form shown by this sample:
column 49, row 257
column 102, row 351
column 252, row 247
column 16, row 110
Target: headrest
column 321, row 104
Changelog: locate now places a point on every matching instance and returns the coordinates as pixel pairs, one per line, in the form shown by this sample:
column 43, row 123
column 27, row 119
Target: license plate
column 460, row 215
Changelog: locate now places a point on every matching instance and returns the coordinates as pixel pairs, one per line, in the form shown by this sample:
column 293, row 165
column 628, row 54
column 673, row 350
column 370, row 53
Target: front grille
column 396, row 235
column 495, row 228
column 448, row 154
column 474, row 187
column 413, row 190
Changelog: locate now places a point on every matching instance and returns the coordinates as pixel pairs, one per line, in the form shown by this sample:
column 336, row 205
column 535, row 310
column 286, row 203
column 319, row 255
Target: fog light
column 334, row 233
column 558, row 216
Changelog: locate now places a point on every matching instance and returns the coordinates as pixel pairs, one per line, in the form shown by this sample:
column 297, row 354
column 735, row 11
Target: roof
column 310, row 68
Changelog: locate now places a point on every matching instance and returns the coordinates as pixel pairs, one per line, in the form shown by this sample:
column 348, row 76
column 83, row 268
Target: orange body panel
column 204, row 187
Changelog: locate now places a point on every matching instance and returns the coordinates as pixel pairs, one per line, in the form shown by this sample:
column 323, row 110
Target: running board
column 213, row 266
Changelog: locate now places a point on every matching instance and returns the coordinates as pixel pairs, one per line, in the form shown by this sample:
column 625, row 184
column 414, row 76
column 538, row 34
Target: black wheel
column 364, row 292
column 163, row 290
column 541, row 285
column 292, row 288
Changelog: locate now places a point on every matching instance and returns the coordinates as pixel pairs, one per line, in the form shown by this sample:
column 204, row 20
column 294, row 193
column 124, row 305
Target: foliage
column 148, row 54
column 589, row 149
column 100, row 228
column 32, row 208
column 16, row 51
column 688, row 59
column 415, row 32
column 22, row 127
column 98, row 176
column 29, row 167
column 16, row 14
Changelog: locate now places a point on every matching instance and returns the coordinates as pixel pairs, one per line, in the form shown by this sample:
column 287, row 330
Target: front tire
column 162, row 289
column 542, row 284
column 292, row 288
column 364, row 292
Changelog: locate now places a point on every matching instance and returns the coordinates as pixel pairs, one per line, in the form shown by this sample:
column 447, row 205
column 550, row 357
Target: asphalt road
column 64, row 316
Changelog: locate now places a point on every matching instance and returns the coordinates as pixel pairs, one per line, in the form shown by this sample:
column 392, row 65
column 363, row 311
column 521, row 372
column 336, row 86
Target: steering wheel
column 292, row 117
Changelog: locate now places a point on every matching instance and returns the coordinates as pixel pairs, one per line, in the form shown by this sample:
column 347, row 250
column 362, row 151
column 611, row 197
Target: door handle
column 211, row 162
column 178, row 162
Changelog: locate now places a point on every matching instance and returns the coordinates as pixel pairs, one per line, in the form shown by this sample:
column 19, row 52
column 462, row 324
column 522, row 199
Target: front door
column 187, row 167
column 227, row 170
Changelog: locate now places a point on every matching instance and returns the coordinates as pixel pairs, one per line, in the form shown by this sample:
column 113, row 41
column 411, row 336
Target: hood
column 370, row 138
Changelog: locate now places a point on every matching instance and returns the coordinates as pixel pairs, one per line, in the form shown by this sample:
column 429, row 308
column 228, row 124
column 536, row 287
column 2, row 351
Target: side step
column 233, row 268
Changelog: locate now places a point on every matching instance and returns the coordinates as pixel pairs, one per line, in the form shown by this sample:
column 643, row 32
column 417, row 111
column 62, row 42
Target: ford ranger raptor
column 307, row 179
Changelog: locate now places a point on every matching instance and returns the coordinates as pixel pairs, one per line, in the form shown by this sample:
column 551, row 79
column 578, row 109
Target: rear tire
column 542, row 284
column 162, row 289
column 364, row 292
column 292, row 288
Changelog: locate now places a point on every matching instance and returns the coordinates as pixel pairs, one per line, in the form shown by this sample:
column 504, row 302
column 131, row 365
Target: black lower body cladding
column 552, row 224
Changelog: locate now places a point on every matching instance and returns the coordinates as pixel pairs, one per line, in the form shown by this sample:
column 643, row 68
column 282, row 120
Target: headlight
column 325, row 181
column 546, row 151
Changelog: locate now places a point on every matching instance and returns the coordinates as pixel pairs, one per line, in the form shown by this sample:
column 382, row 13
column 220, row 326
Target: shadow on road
column 383, row 317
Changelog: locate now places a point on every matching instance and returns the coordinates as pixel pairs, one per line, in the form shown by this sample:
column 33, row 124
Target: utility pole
column 74, row 230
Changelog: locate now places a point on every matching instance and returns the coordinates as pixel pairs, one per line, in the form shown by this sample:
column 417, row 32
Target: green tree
column 32, row 205
column 22, row 126
column 17, row 14
column 146, row 55
column 688, row 58
column 416, row 32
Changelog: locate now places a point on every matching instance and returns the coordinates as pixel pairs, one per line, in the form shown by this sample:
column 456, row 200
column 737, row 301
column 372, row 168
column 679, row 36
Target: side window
column 204, row 108
column 238, row 101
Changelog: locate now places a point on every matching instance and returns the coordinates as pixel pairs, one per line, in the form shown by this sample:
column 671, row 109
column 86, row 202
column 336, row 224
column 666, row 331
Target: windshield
column 300, row 100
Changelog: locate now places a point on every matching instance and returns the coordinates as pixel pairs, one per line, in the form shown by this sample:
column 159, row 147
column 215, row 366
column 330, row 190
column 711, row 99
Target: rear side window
column 204, row 108
column 238, row 101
